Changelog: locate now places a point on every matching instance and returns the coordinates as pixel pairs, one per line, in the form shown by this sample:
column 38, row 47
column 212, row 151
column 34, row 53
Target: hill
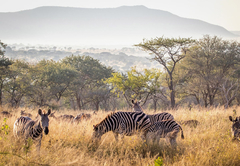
column 126, row 25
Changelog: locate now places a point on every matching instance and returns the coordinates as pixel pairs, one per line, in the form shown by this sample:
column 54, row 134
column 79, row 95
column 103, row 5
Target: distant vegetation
column 119, row 59
column 204, row 72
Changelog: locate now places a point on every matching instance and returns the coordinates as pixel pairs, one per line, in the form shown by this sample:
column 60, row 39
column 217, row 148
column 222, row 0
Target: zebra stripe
column 33, row 129
column 123, row 123
column 235, row 127
column 155, row 117
column 165, row 129
column 19, row 125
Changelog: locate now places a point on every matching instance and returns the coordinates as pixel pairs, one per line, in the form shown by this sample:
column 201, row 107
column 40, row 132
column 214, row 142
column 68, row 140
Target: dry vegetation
column 210, row 143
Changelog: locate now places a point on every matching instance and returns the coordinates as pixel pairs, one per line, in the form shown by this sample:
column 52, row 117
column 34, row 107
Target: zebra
column 28, row 128
column 191, row 123
column 81, row 117
column 235, row 127
column 5, row 114
column 123, row 123
column 155, row 117
column 23, row 113
column 19, row 125
column 62, row 117
column 167, row 129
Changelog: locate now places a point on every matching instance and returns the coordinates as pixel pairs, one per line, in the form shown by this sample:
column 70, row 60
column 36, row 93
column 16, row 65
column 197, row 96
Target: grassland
column 210, row 143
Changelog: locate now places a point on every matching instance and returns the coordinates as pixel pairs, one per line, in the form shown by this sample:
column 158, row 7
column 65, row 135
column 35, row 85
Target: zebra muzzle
column 46, row 130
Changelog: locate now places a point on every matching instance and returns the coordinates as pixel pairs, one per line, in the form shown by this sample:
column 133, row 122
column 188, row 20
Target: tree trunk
column 172, row 92
column 97, row 106
column 78, row 99
column 155, row 104
column 1, row 87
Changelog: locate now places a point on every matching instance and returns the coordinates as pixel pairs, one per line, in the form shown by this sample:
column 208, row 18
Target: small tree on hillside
column 167, row 51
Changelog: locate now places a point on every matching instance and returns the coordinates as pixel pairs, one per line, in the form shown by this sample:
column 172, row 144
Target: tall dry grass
column 210, row 143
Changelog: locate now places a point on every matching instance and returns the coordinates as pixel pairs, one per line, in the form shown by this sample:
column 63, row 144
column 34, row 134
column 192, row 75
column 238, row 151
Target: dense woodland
column 202, row 72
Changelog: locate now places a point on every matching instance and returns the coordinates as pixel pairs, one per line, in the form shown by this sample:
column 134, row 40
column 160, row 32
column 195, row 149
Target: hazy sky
column 225, row 13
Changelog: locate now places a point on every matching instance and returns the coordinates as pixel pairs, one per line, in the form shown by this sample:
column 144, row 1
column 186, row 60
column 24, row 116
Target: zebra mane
column 107, row 117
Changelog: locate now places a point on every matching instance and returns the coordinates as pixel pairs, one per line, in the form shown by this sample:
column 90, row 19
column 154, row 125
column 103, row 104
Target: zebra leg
column 144, row 137
column 173, row 142
column 157, row 138
column 38, row 146
column 116, row 136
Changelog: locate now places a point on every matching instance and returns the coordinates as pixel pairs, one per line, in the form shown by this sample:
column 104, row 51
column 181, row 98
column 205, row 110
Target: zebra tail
column 182, row 136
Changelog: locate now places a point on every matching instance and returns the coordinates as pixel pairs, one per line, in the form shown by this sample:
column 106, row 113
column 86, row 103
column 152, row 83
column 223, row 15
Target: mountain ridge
column 124, row 25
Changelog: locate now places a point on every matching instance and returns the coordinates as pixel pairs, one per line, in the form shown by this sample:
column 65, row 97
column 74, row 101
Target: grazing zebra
column 5, row 114
column 165, row 129
column 190, row 123
column 81, row 117
column 123, row 123
column 62, row 117
column 23, row 113
column 235, row 127
column 33, row 129
column 155, row 117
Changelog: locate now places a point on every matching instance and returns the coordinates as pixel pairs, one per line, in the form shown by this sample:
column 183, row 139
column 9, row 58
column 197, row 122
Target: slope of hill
column 111, row 26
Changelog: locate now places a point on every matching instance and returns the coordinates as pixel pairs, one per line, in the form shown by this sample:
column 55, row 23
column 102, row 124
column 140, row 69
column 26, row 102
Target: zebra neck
column 37, row 125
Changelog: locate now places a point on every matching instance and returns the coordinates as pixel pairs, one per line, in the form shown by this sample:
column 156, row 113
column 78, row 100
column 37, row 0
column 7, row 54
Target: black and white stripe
column 155, row 117
column 123, row 123
column 32, row 128
column 19, row 125
column 165, row 129
column 235, row 127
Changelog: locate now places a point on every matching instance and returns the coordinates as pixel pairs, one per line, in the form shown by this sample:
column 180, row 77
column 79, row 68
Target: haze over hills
column 110, row 26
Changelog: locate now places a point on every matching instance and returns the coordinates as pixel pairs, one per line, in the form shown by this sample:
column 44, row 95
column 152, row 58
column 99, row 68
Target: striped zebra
column 123, row 123
column 28, row 128
column 66, row 118
column 81, row 117
column 235, row 127
column 19, row 125
column 23, row 113
column 165, row 129
column 155, row 117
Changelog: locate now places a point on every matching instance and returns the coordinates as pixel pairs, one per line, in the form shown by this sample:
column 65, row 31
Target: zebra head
column 136, row 106
column 44, row 120
column 98, row 131
column 235, row 127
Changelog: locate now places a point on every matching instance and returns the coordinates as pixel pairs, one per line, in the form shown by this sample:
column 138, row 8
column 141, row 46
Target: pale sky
column 225, row 13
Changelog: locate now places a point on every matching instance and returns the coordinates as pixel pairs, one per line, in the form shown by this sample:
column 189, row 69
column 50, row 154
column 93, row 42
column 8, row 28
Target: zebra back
column 19, row 125
column 155, row 117
column 160, row 117
column 165, row 127
column 126, row 122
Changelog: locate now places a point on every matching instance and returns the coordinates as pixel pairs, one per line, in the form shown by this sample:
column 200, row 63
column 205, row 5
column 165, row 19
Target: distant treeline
column 205, row 72
column 119, row 61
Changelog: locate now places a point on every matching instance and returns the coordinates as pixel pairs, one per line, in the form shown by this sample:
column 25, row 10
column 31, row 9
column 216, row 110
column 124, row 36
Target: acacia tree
column 4, row 69
column 18, row 84
column 90, row 73
column 165, row 51
column 136, row 84
column 208, row 65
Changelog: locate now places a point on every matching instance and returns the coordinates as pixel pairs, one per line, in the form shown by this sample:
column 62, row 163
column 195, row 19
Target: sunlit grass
column 210, row 143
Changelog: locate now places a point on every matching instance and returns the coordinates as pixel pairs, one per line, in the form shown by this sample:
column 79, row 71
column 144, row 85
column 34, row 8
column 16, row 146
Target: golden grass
column 210, row 143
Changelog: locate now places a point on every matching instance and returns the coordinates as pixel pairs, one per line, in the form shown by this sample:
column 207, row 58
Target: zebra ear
column 40, row 112
column 49, row 112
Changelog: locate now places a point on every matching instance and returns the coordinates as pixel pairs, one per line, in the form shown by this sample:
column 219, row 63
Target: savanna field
column 210, row 143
